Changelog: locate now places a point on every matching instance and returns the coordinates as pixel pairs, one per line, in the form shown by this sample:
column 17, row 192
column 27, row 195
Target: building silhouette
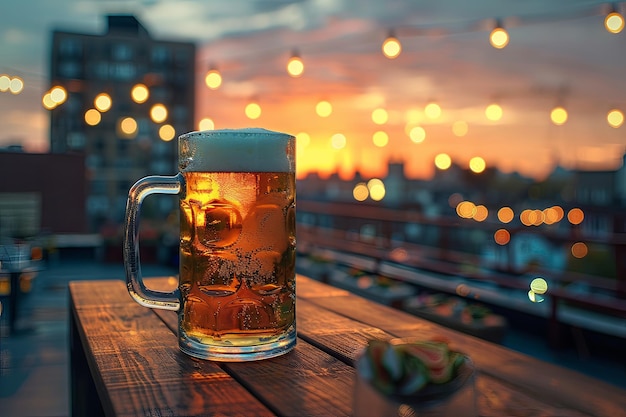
column 117, row 154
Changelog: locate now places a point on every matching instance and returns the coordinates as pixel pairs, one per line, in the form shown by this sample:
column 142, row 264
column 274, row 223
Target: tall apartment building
column 120, row 139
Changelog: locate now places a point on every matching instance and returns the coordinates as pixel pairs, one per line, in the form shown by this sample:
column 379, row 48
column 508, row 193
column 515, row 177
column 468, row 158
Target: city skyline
column 559, row 54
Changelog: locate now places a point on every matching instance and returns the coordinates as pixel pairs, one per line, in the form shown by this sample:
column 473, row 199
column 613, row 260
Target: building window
column 121, row 52
column 122, row 71
column 70, row 69
column 160, row 55
column 70, row 48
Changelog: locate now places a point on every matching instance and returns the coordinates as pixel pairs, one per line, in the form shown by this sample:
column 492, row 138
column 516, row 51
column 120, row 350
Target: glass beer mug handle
column 134, row 281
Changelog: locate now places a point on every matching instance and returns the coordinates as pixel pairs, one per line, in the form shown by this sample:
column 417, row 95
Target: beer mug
column 236, row 293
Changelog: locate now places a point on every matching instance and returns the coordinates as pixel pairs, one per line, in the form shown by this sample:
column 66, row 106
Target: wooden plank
column 137, row 366
column 549, row 383
column 303, row 382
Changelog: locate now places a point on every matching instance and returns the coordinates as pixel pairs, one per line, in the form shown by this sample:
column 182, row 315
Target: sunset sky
column 559, row 54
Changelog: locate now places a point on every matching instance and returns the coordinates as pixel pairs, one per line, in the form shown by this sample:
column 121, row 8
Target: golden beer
column 236, row 294
column 237, row 254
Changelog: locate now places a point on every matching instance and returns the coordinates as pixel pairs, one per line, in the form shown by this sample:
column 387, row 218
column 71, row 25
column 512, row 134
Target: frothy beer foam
column 236, row 150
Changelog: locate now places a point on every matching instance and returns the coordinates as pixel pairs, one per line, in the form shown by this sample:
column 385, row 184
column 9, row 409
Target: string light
column 494, row 112
column 615, row 118
column 206, row 124
column 391, row 46
column 103, row 102
column 213, row 78
column 499, row 37
column 295, row 66
column 558, row 115
column 432, row 110
column 380, row 139
column 158, row 113
column 323, row 108
column 92, row 117
column 253, row 110
column 16, row 85
column 614, row 21
column 139, row 93
column 58, row 95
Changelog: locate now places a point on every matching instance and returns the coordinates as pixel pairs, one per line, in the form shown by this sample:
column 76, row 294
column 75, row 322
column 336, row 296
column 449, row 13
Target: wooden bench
column 125, row 362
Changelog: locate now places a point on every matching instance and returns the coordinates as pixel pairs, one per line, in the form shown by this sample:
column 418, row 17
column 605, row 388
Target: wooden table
column 125, row 362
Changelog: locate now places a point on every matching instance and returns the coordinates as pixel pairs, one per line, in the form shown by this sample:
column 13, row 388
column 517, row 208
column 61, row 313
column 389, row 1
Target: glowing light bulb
column 213, row 79
column 16, row 86
column 391, row 47
column 92, row 117
column 103, row 102
column 477, row 164
column 499, row 37
column 615, row 118
column 253, row 111
column 167, row 132
column 58, row 95
column 380, row 138
column 324, row 108
column 443, row 161
column 338, row 141
column 558, row 115
column 432, row 110
column 295, row 66
column 380, row 116
column 128, row 127
column 494, row 112
column 158, row 113
column 614, row 22
column 206, row 124
column 139, row 93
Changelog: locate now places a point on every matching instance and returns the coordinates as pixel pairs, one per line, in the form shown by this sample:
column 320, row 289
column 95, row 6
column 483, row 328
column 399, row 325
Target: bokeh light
column 16, row 85
column 506, row 214
column 48, row 103
column 575, row 216
column 432, row 110
column 417, row 134
column 5, row 83
column 103, row 102
column 615, row 118
column 58, row 94
column 380, row 138
column 139, row 93
column 206, row 123
column 466, row 209
column 481, row 213
column 499, row 38
column 579, row 250
column 539, row 285
column 323, row 108
column 338, row 141
column 302, row 140
column 376, row 189
column 360, row 192
column 167, row 132
column 477, row 164
column 391, row 47
column 443, row 161
column 92, row 117
column 253, row 110
column 128, row 127
column 380, row 116
column 213, row 79
column 295, row 66
column 558, row 115
column 460, row 128
column 494, row 112
column 158, row 113
column 502, row 237
column 614, row 22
